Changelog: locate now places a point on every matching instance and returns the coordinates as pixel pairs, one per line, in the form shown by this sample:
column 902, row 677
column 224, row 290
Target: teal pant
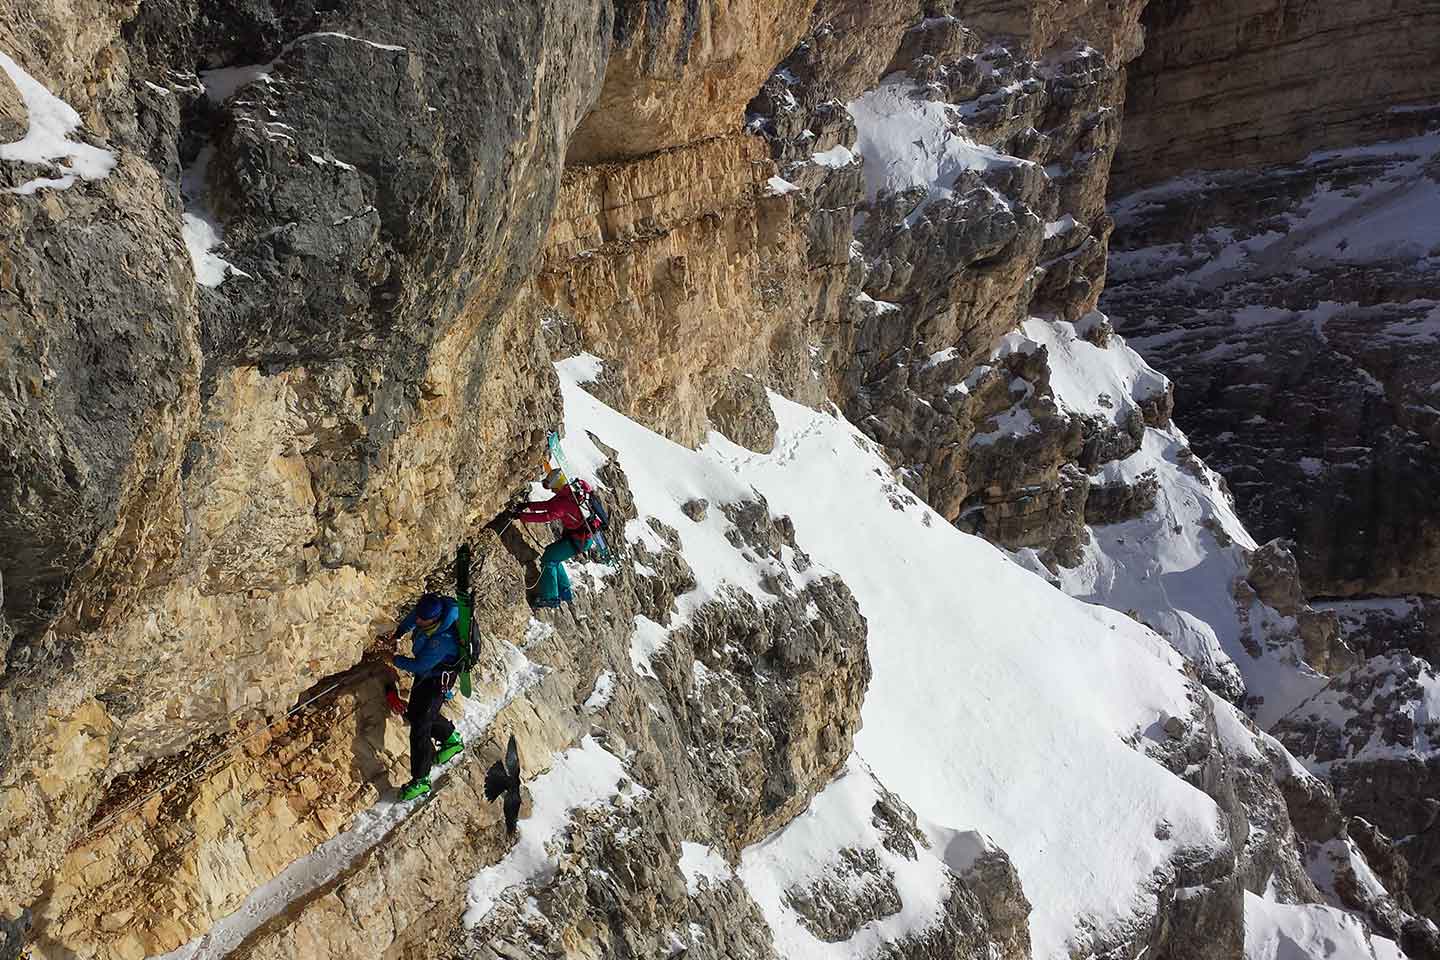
column 554, row 581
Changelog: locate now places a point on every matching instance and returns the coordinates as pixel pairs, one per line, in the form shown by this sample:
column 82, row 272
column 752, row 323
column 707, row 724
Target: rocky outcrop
column 1244, row 82
column 981, row 906
column 682, row 73
column 911, row 338
column 1272, row 578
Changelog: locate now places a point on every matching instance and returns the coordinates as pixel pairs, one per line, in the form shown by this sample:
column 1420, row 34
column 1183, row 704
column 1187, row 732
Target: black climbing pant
column 427, row 726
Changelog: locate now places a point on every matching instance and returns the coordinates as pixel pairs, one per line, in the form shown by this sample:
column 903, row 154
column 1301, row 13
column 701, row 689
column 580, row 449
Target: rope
column 207, row 764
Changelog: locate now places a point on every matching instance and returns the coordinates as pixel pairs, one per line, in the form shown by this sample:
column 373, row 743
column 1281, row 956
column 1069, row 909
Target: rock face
column 646, row 255
column 254, row 467
column 1291, row 308
column 1242, row 82
column 681, row 73
column 280, row 333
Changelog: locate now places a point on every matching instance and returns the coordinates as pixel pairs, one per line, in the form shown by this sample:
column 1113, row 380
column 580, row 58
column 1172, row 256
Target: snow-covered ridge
column 1106, row 382
column 1394, row 217
column 989, row 685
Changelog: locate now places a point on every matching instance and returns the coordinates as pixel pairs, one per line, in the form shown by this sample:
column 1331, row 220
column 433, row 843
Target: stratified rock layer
column 682, row 271
column 1239, row 82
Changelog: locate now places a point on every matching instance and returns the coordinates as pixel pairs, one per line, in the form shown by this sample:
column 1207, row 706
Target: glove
column 392, row 697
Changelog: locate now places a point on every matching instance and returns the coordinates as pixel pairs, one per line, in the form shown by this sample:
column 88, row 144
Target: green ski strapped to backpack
column 465, row 626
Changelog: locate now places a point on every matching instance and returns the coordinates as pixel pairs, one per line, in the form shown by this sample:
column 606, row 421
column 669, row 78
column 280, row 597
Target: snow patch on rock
column 582, row 777
column 908, row 141
column 1105, row 382
column 809, row 850
column 47, row 142
column 1280, row 931
column 702, row 865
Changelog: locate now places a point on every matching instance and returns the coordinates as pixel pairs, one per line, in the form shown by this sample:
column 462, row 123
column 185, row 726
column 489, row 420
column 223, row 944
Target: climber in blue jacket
column 435, row 645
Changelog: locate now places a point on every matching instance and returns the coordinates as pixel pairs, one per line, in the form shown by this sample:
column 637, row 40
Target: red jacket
column 563, row 507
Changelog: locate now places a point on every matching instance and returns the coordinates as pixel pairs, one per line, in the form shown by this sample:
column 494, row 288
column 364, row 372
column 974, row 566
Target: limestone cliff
column 249, row 469
column 283, row 293
column 1244, row 82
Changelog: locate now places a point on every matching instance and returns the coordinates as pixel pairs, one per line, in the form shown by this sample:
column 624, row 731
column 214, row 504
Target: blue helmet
column 430, row 607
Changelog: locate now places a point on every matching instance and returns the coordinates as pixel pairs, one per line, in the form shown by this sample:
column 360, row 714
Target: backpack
column 597, row 520
column 599, row 516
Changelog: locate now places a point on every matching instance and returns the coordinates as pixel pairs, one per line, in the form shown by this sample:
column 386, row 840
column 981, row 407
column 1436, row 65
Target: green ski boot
column 415, row 788
column 449, row 748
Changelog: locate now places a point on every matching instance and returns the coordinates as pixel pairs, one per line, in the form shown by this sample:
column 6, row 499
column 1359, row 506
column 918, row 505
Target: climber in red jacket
column 554, row 586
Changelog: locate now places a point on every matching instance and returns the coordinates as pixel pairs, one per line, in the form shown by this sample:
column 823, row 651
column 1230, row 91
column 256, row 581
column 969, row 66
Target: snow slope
column 998, row 704
column 1175, row 566
column 1278, row 931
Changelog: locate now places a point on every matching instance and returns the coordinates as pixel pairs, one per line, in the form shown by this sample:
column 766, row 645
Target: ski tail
column 504, row 774
column 512, row 792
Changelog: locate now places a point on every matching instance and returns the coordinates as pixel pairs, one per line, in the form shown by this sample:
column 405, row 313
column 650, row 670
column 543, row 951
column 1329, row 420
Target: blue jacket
column 441, row 645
